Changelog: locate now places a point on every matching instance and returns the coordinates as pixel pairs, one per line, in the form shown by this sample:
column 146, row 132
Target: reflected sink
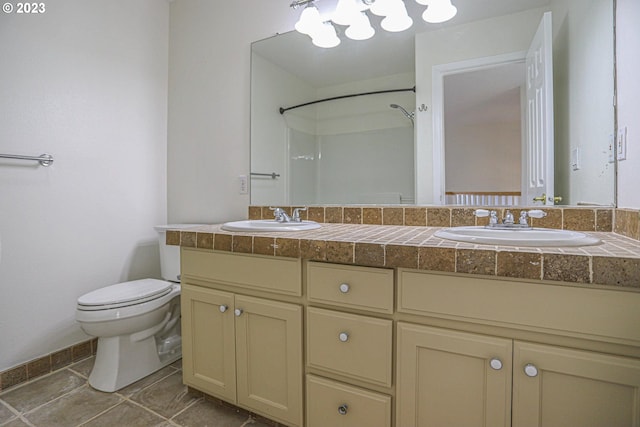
column 251, row 225
column 531, row 237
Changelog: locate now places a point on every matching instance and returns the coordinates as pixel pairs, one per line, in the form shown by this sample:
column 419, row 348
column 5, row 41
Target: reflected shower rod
column 410, row 89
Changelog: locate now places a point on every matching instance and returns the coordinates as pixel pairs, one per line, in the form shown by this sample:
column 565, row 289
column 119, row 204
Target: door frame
column 437, row 100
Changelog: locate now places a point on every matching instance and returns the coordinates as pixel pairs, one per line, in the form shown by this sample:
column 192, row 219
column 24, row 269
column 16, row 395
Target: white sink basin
column 532, row 237
column 251, row 225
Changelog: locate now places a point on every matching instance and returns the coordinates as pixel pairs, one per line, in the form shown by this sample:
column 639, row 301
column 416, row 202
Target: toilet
column 137, row 323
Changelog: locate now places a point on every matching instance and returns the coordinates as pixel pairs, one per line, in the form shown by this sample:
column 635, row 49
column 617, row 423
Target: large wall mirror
column 460, row 136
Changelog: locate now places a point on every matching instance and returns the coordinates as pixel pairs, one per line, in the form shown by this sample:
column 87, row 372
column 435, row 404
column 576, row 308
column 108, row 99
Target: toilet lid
column 145, row 289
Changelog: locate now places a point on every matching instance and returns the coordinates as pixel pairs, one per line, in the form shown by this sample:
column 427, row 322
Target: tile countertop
column 615, row 262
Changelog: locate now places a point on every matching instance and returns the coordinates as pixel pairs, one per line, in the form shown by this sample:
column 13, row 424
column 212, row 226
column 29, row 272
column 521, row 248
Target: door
column 451, row 378
column 538, row 155
column 208, row 341
column 269, row 352
column 572, row 388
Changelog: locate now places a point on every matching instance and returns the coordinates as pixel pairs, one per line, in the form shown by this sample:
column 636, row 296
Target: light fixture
column 353, row 15
column 438, row 11
column 325, row 36
column 360, row 28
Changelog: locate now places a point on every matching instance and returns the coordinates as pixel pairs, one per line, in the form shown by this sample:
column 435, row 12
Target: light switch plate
column 575, row 159
column 243, row 184
column 621, row 146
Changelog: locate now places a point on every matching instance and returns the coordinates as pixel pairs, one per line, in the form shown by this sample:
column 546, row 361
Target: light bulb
column 360, row 29
column 309, row 20
column 325, row 36
column 439, row 11
column 398, row 20
column 346, row 12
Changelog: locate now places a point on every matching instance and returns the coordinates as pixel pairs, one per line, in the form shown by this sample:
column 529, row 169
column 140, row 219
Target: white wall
column 628, row 38
column 583, row 99
column 490, row 37
column 209, row 75
column 87, row 83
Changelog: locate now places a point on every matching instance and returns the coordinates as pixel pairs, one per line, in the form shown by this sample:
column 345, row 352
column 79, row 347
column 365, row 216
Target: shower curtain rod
column 282, row 110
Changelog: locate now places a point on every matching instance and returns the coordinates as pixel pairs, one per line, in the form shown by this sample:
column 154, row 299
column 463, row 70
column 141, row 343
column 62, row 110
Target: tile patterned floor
column 64, row 398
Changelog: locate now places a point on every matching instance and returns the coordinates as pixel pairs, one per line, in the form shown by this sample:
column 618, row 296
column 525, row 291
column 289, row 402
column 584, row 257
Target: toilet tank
column 170, row 254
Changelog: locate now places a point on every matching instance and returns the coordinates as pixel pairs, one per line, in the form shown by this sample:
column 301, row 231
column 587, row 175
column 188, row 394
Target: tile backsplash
column 569, row 218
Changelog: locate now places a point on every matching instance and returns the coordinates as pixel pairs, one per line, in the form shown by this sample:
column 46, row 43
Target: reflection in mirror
column 361, row 150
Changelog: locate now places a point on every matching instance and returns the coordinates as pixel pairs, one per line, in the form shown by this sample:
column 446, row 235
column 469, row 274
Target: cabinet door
column 208, row 341
column 574, row 388
column 269, row 357
column 450, row 378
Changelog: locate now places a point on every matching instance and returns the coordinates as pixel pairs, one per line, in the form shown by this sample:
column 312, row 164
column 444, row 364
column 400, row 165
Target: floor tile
column 5, row 414
column 83, row 367
column 210, row 414
column 166, row 397
column 42, row 390
column 16, row 423
column 127, row 414
column 72, row 409
column 146, row 381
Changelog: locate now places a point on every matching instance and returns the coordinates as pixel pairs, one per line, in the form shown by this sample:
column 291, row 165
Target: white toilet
column 137, row 323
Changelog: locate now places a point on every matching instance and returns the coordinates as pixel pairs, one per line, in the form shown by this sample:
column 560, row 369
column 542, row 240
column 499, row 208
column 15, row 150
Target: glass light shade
column 346, row 12
column 309, row 20
column 398, row 20
column 325, row 36
column 383, row 7
column 439, row 11
column 360, row 29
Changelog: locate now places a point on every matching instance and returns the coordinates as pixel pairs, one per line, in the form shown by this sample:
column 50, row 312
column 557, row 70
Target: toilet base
column 121, row 361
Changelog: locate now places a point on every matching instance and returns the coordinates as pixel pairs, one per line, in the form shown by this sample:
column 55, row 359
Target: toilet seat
column 124, row 294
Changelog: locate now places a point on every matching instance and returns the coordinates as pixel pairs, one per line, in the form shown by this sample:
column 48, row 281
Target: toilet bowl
column 137, row 323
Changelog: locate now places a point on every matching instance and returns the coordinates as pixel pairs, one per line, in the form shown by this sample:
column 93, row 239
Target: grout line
column 100, row 413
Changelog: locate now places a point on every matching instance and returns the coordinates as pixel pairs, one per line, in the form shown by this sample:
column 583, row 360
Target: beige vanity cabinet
column 349, row 341
column 243, row 349
column 449, row 377
column 555, row 386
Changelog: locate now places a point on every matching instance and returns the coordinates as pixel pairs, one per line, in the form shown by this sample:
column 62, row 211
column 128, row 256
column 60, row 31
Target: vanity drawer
column 363, row 288
column 265, row 273
column 330, row 403
column 597, row 314
column 354, row 346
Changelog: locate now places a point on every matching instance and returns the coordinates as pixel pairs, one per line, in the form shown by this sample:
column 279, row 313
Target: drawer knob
column 237, row 312
column 530, row 370
column 344, row 337
column 223, row 308
column 496, row 364
column 342, row 409
column 344, row 288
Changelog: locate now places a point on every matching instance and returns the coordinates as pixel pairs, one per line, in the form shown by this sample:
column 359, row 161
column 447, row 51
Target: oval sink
column 251, row 225
column 531, row 237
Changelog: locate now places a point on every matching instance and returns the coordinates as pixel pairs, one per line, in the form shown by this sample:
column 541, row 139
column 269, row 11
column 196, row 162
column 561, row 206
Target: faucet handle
column 537, row 213
column 296, row 213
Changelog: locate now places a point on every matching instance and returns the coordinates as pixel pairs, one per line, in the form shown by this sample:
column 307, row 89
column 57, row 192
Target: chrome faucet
column 508, row 220
column 280, row 215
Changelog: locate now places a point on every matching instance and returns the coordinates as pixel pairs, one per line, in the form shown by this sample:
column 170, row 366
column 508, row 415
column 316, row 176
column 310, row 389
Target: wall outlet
column 612, row 148
column 621, row 146
column 575, row 159
column 243, row 184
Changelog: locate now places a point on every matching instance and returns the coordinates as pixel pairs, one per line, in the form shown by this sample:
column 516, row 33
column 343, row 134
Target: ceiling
column 392, row 53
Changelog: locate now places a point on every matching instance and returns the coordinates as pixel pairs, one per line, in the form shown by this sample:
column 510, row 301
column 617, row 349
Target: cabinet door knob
column 223, row 308
column 342, row 409
column 344, row 337
column 530, row 370
column 237, row 312
column 496, row 364
column 344, row 288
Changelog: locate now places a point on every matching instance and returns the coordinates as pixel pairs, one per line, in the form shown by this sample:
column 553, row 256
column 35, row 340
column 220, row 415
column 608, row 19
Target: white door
column 537, row 153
